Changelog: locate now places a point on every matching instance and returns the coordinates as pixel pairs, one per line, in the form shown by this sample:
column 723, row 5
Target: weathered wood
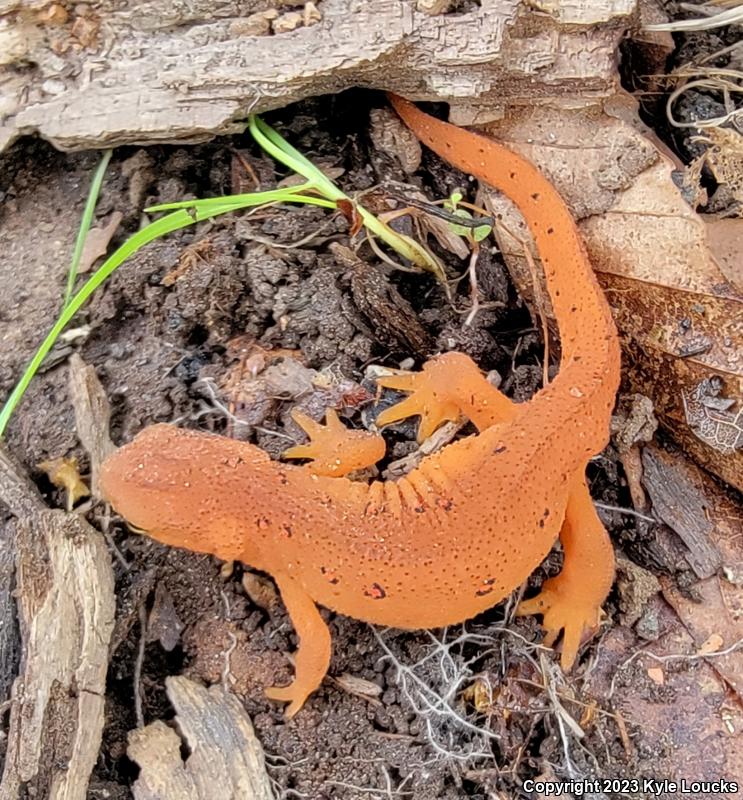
column 10, row 644
column 92, row 416
column 226, row 757
column 66, row 608
column 110, row 73
column 682, row 505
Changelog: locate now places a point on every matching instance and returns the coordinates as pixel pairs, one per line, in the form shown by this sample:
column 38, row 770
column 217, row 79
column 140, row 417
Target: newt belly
column 457, row 534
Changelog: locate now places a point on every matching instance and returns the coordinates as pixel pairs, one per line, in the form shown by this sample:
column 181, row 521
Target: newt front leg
column 313, row 653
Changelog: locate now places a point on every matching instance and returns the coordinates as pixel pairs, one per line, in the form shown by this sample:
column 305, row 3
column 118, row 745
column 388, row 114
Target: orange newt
column 458, row 533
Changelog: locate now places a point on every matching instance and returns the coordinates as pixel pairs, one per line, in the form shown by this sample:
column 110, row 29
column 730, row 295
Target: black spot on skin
column 513, row 175
column 546, row 513
column 541, row 523
column 573, row 309
column 501, row 449
column 288, row 531
column 535, row 196
column 550, row 230
column 487, row 587
column 283, row 479
column 376, row 592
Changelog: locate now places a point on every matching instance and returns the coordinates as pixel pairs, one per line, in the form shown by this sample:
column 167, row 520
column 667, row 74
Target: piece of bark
column 10, row 644
column 226, row 759
column 682, row 505
column 92, row 416
column 120, row 73
column 386, row 311
column 66, row 608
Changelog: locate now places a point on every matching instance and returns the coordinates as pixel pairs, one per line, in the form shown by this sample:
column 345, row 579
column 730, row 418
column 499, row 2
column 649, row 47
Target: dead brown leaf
column 687, row 727
column 260, row 590
column 725, row 237
column 97, row 241
column 164, row 625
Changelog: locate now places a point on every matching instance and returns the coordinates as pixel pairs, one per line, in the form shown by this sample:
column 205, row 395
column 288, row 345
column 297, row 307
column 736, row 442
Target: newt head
column 173, row 485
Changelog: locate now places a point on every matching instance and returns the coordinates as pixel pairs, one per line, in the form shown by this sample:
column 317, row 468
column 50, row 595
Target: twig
column 628, row 511
column 672, row 657
column 138, row 666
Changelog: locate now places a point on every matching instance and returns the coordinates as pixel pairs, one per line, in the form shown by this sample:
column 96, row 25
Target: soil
column 174, row 335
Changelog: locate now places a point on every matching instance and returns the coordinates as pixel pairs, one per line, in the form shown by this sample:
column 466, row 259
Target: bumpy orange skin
column 461, row 531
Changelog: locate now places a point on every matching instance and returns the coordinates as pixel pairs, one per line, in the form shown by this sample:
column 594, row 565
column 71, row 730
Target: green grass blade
column 161, row 227
column 277, row 147
column 237, row 201
column 87, row 218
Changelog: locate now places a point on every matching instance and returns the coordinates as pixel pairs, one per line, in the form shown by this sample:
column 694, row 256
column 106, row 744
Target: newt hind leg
column 313, row 654
column 451, row 385
column 571, row 601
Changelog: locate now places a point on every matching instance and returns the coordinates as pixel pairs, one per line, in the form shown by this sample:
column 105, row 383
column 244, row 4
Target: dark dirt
column 206, row 303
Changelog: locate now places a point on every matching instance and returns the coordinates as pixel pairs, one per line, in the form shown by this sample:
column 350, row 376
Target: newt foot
column 335, row 450
column 291, row 694
column 432, row 394
column 562, row 613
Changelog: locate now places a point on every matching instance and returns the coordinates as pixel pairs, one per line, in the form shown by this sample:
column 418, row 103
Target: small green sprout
column 473, row 234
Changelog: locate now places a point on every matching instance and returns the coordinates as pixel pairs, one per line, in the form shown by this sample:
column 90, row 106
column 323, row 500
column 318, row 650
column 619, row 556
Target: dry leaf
column 711, row 644
column 656, row 675
column 391, row 136
column 164, row 624
column 681, row 319
column 97, row 241
column 360, row 687
column 64, row 474
column 725, row 237
column 480, row 694
column 683, row 732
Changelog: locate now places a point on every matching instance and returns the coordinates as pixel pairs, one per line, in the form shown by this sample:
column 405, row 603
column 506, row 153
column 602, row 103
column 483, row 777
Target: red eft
column 458, row 533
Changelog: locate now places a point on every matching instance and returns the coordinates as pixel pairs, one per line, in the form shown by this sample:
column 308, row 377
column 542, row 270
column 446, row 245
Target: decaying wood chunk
column 66, row 608
column 682, row 505
column 92, row 416
column 111, row 73
column 226, row 757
